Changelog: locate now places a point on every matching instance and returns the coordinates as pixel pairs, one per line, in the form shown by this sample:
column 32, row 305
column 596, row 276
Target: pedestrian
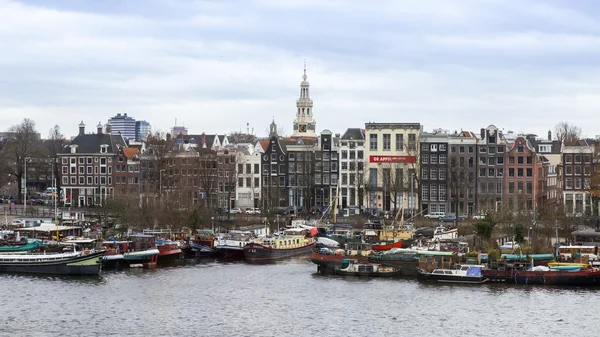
column 10, row 206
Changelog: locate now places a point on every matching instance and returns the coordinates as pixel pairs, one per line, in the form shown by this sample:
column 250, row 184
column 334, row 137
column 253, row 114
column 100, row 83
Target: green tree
column 485, row 227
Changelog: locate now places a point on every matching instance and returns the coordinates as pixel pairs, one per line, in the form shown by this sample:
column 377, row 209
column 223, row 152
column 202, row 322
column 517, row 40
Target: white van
column 434, row 215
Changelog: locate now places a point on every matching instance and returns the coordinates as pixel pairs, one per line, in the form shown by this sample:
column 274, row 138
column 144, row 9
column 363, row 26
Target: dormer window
column 103, row 148
column 73, row 148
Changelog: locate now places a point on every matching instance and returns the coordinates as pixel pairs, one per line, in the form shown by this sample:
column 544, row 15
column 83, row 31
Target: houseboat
column 203, row 245
column 405, row 260
column 139, row 251
column 293, row 242
column 460, row 274
column 558, row 275
column 327, row 259
column 168, row 252
column 231, row 245
column 71, row 263
column 430, row 260
column 352, row 267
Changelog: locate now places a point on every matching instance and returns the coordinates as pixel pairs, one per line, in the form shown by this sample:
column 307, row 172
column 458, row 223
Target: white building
column 123, row 125
column 392, row 165
column 304, row 123
column 247, row 192
column 352, row 170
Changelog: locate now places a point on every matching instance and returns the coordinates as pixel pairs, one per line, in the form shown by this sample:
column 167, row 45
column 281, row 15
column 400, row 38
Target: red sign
column 393, row 159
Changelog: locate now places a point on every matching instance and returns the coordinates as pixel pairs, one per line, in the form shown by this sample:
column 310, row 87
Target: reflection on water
column 287, row 298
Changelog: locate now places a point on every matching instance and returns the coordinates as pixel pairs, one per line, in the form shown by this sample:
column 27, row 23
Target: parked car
column 509, row 245
column 479, row 217
column 253, row 211
column 423, row 231
column 434, row 215
column 222, row 210
column 235, row 210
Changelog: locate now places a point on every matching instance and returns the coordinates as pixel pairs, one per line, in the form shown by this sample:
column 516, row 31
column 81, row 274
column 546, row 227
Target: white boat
column 460, row 274
column 441, row 233
column 70, row 263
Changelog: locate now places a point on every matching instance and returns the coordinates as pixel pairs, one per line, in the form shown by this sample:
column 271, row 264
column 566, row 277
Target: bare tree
column 158, row 150
column 459, row 184
column 568, row 133
column 22, row 145
column 239, row 137
column 55, row 143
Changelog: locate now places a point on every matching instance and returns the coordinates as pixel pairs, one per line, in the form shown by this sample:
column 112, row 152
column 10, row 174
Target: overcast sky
column 521, row 65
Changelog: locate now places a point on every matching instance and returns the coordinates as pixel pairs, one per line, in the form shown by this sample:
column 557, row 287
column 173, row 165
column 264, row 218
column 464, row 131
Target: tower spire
column 304, row 124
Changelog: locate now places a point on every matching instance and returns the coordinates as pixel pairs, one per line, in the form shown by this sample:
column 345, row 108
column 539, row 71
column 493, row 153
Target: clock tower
column 304, row 123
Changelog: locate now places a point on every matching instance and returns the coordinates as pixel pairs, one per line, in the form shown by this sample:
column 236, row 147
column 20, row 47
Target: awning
column 205, row 232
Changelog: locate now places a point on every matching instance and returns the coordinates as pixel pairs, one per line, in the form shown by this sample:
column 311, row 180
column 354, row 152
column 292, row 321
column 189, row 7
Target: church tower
column 304, row 123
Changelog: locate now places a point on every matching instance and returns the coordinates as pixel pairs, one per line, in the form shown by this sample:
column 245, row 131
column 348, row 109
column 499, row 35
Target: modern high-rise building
column 142, row 129
column 123, row 125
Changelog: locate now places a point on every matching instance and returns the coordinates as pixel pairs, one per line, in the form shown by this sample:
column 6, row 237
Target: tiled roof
column 131, row 152
column 353, row 133
column 90, row 143
column 264, row 144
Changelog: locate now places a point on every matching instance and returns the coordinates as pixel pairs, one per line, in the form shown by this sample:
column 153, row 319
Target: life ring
column 395, row 233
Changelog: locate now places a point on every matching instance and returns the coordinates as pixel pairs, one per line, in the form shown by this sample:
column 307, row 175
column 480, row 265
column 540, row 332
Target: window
column 81, row 170
column 511, row 172
column 102, row 180
column 281, row 169
column 577, row 159
column 500, row 149
column 482, row 160
column 433, row 192
column 482, row 149
column 433, row 147
column 256, row 182
column 492, row 149
column 433, row 175
column 344, row 179
column 334, row 166
column 569, row 170
column 118, row 168
column 344, row 165
column 257, row 169
column 529, row 187
column 425, row 192
column 291, row 156
column 500, row 160
column 373, row 176
column 73, row 180
column 569, row 183
column 587, row 159
column 81, row 160
column 471, row 149
column 498, row 187
column 433, row 159
column 511, row 188
column 442, row 190
column 425, row 173
column 568, row 159
column 578, row 170
column 520, row 160
column 241, row 182
column 442, row 147
column 425, row 159
column 442, row 158
column 65, row 170
column 359, row 154
column 273, row 157
column 352, row 155
column 65, row 160
column 373, row 142
column 520, row 173
column 73, row 170
column 387, row 142
column 491, row 160
column 500, row 172
column 577, row 183
column 344, row 154
column 461, row 149
column 240, row 169
column 511, row 160
column 89, row 180
column 520, row 149
column 491, row 172
column 65, row 180
column 442, row 174
column 529, row 173
column 110, row 169
column 529, row 160
column 412, row 145
column 482, row 172
column 587, row 170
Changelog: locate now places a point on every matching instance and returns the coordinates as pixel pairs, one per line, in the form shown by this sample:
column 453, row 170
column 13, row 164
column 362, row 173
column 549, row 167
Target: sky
column 213, row 66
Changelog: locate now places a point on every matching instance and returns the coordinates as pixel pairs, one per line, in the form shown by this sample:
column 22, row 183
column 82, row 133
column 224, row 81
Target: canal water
column 283, row 299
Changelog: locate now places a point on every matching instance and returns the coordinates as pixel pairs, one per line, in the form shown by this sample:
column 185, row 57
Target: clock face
column 302, row 127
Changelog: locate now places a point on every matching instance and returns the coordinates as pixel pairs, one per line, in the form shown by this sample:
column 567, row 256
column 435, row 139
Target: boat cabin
column 286, row 241
column 430, row 260
column 205, row 237
column 568, row 253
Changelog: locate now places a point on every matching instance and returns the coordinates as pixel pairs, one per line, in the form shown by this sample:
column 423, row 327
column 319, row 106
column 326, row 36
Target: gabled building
column 551, row 150
column 127, row 171
column 462, row 172
column 352, row 170
column 274, row 165
column 434, row 178
column 577, row 173
column 87, row 166
column 525, row 181
column 490, row 165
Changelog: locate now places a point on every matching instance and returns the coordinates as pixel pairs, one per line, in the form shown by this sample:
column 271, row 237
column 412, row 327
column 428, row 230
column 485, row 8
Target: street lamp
column 160, row 182
column 26, row 159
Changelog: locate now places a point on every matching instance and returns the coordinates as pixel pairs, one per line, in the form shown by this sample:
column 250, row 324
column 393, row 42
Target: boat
column 352, row 267
column 460, row 274
column 71, row 263
column 382, row 247
column 203, row 245
column 231, row 245
column 143, row 258
column 559, row 275
column 404, row 259
column 568, row 264
column 168, row 252
column 113, row 259
column 292, row 242
column 20, row 246
column 140, row 251
column 327, row 259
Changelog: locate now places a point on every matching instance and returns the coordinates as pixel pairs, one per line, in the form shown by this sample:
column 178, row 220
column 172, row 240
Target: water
column 284, row 299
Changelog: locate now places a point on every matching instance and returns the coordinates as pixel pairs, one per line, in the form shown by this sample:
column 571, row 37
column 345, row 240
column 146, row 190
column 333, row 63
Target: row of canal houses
column 378, row 167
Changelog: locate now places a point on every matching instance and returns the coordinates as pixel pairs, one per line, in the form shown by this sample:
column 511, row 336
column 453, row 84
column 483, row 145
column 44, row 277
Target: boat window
column 437, row 271
column 464, row 268
column 448, row 272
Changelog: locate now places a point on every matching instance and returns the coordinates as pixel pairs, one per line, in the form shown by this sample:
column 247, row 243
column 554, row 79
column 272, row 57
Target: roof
column 353, row 133
column 90, row 143
column 434, row 253
column 131, row 152
column 221, row 138
column 264, row 144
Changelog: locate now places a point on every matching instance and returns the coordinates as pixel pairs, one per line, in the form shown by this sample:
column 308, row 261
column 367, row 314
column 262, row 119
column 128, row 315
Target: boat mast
column 55, row 207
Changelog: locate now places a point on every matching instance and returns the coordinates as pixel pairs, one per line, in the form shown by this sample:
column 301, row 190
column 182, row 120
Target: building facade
column 142, row 129
column 352, row 170
column 248, row 189
column 462, row 172
column 87, row 165
column 392, row 165
column 551, row 150
column 274, row 177
column 434, row 173
column 123, row 125
column 577, row 172
column 490, row 169
column 525, row 181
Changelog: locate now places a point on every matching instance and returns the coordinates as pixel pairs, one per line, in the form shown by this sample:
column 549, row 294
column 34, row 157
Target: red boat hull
column 168, row 253
column 381, row 248
column 560, row 277
column 327, row 263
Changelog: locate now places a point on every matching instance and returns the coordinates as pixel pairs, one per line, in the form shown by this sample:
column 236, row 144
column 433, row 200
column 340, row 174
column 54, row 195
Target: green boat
column 20, row 248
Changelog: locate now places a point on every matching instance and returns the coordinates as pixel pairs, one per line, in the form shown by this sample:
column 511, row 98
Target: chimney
column 108, row 128
column 203, row 140
column 81, row 129
column 549, row 135
column 482, row 133
column 99, row 127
